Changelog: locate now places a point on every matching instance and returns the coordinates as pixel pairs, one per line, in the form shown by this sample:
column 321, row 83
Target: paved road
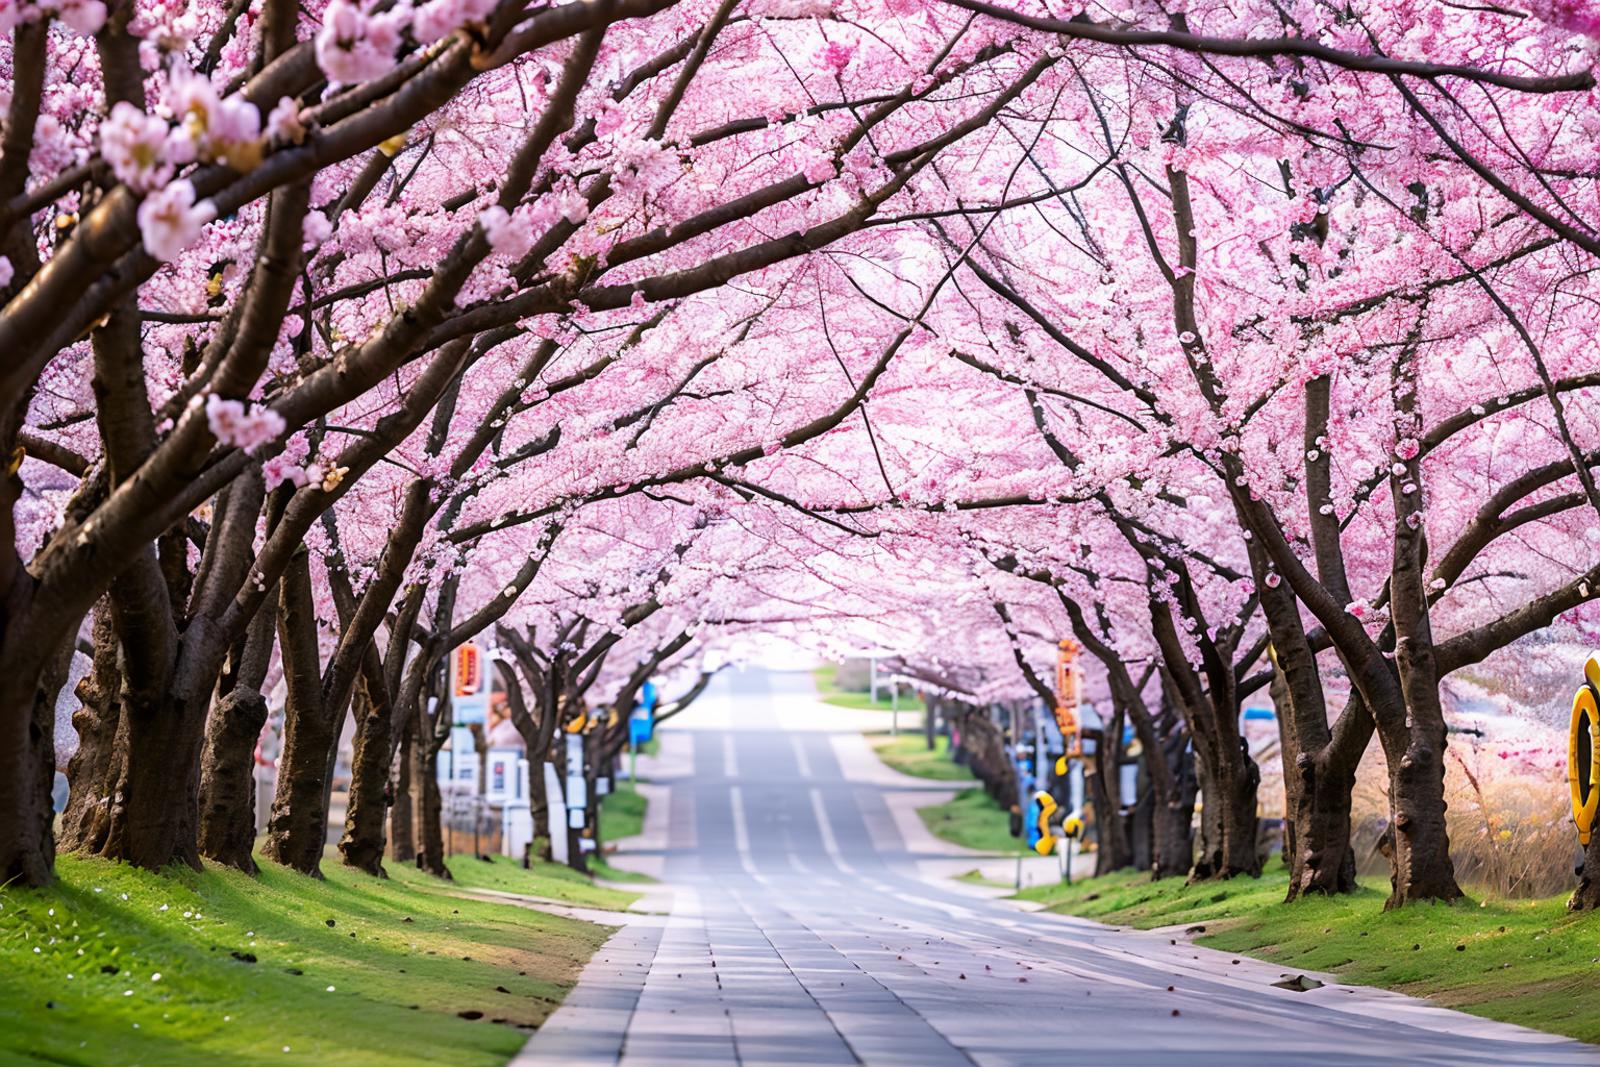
column 800, row 934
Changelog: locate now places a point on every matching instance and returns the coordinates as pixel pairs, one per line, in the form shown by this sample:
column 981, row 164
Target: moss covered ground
column 1521, row 961
column 116, row 965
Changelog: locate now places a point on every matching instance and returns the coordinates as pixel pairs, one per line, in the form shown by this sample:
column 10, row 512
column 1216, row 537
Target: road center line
column 800, row 756
column 830, row 844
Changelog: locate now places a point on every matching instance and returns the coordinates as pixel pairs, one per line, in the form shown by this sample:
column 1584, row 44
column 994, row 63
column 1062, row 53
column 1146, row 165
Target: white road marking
column 800, row 756
column 830, row 844
column 730, row 762
column 741, row 832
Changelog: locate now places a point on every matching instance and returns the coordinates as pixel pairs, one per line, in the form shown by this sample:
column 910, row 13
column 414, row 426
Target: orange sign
column 469, row 670
column 1067, row 694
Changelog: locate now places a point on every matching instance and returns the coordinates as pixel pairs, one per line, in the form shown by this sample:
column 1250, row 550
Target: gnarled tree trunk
column 362, row 844
column 227, row 763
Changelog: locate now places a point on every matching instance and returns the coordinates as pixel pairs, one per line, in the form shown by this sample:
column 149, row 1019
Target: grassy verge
column 622, row 812
column 550, row 880
column 826, row 677
column 621, row 815
column 603, row 870
column 976, row 877
column 973, row 820
column 117, row 965
column 1526, row 962
column 909, row 754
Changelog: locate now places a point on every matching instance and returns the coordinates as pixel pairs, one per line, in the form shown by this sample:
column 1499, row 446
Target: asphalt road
column 801, row 934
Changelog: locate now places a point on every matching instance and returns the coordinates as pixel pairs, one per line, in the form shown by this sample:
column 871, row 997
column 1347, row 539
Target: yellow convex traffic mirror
column 1583, row 757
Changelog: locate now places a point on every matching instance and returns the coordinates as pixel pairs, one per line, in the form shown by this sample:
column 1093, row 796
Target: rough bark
column 1103, row 775
column 227, row 763
column 430, row 831
column 362, row 844
column 27, row 846
column 1208, row 849
column 227, row 779
column 1415, row 747
column 1422, row 866
column 1586, row 897
column 402, row 824
column 93, row 770
column 298, row 827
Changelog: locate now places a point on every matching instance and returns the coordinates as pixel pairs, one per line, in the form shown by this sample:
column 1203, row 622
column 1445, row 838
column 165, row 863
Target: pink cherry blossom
column 133, row 143
column 284, row 123
column 84, row 16
column 170, row 220
column 834, row 57
column 233, row 423
column 438, row 18
column 354, row 46
column 509, row 234
column 314, row 230
column 280, row 469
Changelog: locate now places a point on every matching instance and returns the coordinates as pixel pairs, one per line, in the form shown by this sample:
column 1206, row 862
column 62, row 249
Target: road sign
column 469, row 684
column 641, row 725
column 1068, row 691
column 1583, row 754
column 500, row 775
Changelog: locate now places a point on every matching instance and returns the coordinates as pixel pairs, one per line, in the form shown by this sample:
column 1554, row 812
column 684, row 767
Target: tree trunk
column 430, row 831
column 298, row 827
column 1587, row 896
column 1174, row 817
column 1422, row 866
column 402, row 820
column 28, row 762
column 1208, row 853
column 155, row 811
column 96, row 767
column 362, row 844
column 1101, row 776
column 1238, row 782
column 227, row 763
column 227, row 779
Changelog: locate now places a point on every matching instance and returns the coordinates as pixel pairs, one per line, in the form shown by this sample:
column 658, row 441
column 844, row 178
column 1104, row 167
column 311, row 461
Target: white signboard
column 577, row 787
column 557, row 812
column 464, row 759
column 500, row 776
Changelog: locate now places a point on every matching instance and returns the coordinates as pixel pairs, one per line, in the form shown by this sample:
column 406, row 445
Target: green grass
column 621, row 815
column 550, row 880
column 245, row 967
column 976, row 877
column 909, row 754
column 1526, row 962
column 622, row 812
column 826, row 677
column 604, row 870
column 972, row 819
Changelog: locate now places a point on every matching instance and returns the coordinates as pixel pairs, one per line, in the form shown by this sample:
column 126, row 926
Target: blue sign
column 641, row 725
column 647, row 697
